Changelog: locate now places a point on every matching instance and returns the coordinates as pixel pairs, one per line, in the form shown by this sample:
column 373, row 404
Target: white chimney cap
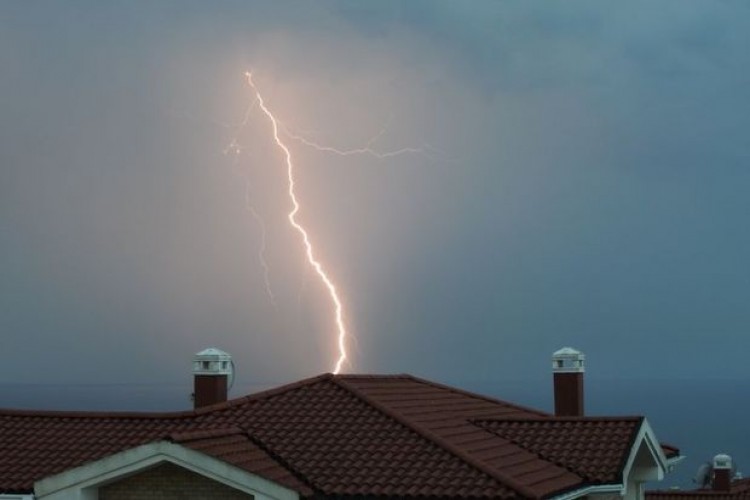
column 212, row 361
column 722, row 461
column 568, row 360
column 212, row 352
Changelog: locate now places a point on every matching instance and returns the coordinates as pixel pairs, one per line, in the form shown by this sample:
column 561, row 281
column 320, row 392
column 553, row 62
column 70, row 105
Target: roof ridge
column 533, row 452
column 439, row 441
column 478, row 396
column 13, row 412
column 374, row 375
column 267, row 393
column 550, row 420
column 166, row 414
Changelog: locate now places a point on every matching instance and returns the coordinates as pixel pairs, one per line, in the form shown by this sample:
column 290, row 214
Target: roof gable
column 646, row 455
column 138, row 459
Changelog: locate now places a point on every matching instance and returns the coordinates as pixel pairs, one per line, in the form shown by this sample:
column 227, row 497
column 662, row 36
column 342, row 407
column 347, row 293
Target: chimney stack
column 722, row 472
column 212, row 370
column 567, row 369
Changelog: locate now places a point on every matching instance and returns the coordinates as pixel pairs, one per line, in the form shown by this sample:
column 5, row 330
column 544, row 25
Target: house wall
column 169, row 482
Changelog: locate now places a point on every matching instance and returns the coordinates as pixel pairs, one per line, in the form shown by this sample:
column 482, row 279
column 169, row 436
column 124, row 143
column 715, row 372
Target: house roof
column 738, row 489
column 343, row 435
column 235, row 446
column 575, row 442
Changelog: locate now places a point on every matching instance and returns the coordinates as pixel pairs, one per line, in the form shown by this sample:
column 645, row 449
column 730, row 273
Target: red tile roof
column 235, row 446
column 444, row 415
column 669, row 450
column 342, row 435
column 575, row 443
column 738, row 489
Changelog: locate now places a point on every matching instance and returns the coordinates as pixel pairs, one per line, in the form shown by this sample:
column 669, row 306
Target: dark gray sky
column 590, row 187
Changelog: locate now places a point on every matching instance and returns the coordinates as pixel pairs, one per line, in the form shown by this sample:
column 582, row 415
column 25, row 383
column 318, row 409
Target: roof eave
column 672, row 462
column 617, row 488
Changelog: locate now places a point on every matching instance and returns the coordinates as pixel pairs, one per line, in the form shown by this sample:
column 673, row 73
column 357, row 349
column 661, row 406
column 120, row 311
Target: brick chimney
column 212, row 371
column 567, row 369
column 722, row 473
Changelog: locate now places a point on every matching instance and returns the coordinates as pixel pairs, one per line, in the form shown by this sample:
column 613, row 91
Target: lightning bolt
column 262, row 251
column 234, row 148
column 366, row 150
column 292, row 216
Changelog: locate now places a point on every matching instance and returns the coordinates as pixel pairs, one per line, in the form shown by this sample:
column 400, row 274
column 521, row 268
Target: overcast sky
column 585, row 182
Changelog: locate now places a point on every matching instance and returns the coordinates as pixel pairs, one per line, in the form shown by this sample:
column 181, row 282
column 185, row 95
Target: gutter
column 8, row 496
column 610, row 488
column 591, row 490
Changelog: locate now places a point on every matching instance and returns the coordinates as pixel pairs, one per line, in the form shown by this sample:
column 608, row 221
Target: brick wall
column 169, row 482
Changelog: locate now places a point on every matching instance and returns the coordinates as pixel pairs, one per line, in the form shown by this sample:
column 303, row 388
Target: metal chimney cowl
column 568, row 360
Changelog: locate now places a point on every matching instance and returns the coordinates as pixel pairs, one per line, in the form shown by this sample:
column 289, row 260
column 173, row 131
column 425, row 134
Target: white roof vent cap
column 212, row 361
column 568, row 360
column 722, row 461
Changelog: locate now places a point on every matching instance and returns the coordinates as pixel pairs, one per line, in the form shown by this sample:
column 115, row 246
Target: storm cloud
column 586, row 185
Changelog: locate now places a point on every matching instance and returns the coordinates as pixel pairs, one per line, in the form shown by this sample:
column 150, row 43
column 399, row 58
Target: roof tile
column 593, row 448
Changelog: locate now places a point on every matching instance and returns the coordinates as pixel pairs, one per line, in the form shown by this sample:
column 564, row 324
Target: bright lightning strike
column 342, row 333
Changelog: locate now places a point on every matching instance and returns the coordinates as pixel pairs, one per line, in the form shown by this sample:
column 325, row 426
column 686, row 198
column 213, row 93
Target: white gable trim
column 616, row 489
column 81, row 482
column 645, row 437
